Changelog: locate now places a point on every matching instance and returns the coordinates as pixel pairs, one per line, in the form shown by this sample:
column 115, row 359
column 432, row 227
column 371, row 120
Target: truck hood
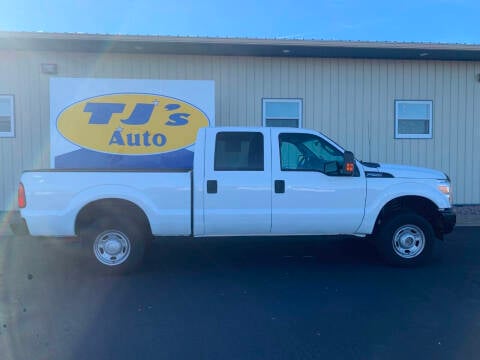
column 402, row 171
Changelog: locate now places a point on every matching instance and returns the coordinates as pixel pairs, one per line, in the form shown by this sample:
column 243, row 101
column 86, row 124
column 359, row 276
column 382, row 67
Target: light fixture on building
column 423, row 54
column 49, row 69
column 286, row 51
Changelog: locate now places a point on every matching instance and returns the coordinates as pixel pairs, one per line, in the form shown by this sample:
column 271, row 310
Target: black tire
column 406, row 239
column 114, row 247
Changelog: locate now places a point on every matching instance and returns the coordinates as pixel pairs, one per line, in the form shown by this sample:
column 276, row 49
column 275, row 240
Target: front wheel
column 114, row 247
column 406, row 239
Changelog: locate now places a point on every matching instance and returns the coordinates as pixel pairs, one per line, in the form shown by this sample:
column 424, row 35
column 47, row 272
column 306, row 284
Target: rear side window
column 239, row 151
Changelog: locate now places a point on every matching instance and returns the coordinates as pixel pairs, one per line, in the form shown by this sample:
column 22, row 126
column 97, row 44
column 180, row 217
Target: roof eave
column 235, row 46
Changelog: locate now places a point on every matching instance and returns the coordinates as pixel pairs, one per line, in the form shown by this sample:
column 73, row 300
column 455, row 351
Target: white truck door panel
column 310, row 195
column 237, row 194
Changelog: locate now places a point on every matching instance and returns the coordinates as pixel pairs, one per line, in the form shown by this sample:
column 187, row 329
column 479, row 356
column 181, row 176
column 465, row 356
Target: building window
column 413, row 119
column 239, row 151
column 6, row 116
column 282, row 112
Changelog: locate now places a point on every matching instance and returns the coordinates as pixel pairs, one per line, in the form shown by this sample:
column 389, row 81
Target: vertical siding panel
column 301, row 83
column 342, row 103
column 408, row 146
column 461, row 118
column 352, row 100
column 376, row 123
column 240, row 116
column 30, row 143
column 283, row 74
column 322, row 98
column 258, row 85
column 8, row 86
column 427, row 87
column 382, row 134
column 468, row 160
column 475, row 164
column 249, row 93
column 453, row 121
column 163, row 67
column 447, row 113
column 339, row 67
column 365, row 111
column 267, row 78
column 397, row 86
column 292, row 85
column 329, row 96
column 11, row 147
column 419, row 81
column 276, row 78
column 310, row 116
column 439, row 119
column 217, row 77
column 389, row 111
column 43, row 100
column 227, row 94
column 328, row 91
column 230, row 90
column 350, row 106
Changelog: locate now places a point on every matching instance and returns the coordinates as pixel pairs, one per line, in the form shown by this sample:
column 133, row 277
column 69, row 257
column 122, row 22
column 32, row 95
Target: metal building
column 410, row 103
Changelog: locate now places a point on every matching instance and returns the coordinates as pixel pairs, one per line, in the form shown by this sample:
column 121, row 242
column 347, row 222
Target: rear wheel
column 113, row 246
column 406, row 239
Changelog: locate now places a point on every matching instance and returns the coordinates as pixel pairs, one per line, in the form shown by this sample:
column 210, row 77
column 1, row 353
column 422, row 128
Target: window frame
column 217, row 167
column 299, row 101
column 11, row 133
column 429, row 135
column 321, row 139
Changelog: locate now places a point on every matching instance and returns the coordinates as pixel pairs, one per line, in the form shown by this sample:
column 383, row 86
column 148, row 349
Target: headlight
column 446, row 188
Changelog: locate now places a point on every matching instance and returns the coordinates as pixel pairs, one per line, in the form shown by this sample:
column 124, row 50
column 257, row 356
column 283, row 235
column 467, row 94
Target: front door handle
column 212, row 187
column 279, row 186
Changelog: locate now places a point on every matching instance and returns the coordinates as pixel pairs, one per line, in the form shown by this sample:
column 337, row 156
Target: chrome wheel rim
column 408, row 241
column 111, row 247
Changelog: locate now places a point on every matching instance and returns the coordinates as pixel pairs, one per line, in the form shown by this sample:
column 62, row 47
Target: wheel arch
column 112, row 207
column 411, row 203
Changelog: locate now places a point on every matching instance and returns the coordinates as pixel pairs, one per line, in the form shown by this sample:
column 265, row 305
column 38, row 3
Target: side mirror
column 348, row 163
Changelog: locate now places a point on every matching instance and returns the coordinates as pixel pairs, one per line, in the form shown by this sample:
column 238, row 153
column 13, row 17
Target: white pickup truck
column 245, row 181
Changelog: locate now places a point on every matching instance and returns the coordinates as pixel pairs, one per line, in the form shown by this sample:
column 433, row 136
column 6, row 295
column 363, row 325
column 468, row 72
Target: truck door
column 237, row 194
column 310, row 195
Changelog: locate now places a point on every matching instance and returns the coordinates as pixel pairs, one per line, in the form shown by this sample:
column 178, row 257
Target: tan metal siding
column 350, row 100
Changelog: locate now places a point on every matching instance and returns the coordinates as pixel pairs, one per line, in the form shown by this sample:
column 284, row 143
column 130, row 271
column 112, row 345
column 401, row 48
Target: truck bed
column 54, row 197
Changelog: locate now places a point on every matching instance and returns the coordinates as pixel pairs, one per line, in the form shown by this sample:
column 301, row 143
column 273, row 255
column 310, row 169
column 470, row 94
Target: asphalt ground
column 260, row 298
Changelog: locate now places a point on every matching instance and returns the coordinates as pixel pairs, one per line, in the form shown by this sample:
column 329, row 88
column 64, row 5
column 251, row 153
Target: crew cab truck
column 247, row 182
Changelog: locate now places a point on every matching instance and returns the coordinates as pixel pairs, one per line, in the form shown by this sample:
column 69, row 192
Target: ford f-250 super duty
column 245, row 181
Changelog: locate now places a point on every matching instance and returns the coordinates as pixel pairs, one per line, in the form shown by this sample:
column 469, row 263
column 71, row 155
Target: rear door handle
column 212, row 186
column 279, row 186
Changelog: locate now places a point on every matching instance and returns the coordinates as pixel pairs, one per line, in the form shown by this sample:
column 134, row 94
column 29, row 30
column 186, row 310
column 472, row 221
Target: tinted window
column 306, row 152
column 239, row 151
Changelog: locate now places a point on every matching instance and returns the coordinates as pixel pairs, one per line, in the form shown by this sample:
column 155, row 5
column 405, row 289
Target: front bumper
column 448, row 219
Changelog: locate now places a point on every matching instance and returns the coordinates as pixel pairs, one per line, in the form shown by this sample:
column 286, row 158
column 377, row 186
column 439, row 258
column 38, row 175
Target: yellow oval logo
column 131, row 124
